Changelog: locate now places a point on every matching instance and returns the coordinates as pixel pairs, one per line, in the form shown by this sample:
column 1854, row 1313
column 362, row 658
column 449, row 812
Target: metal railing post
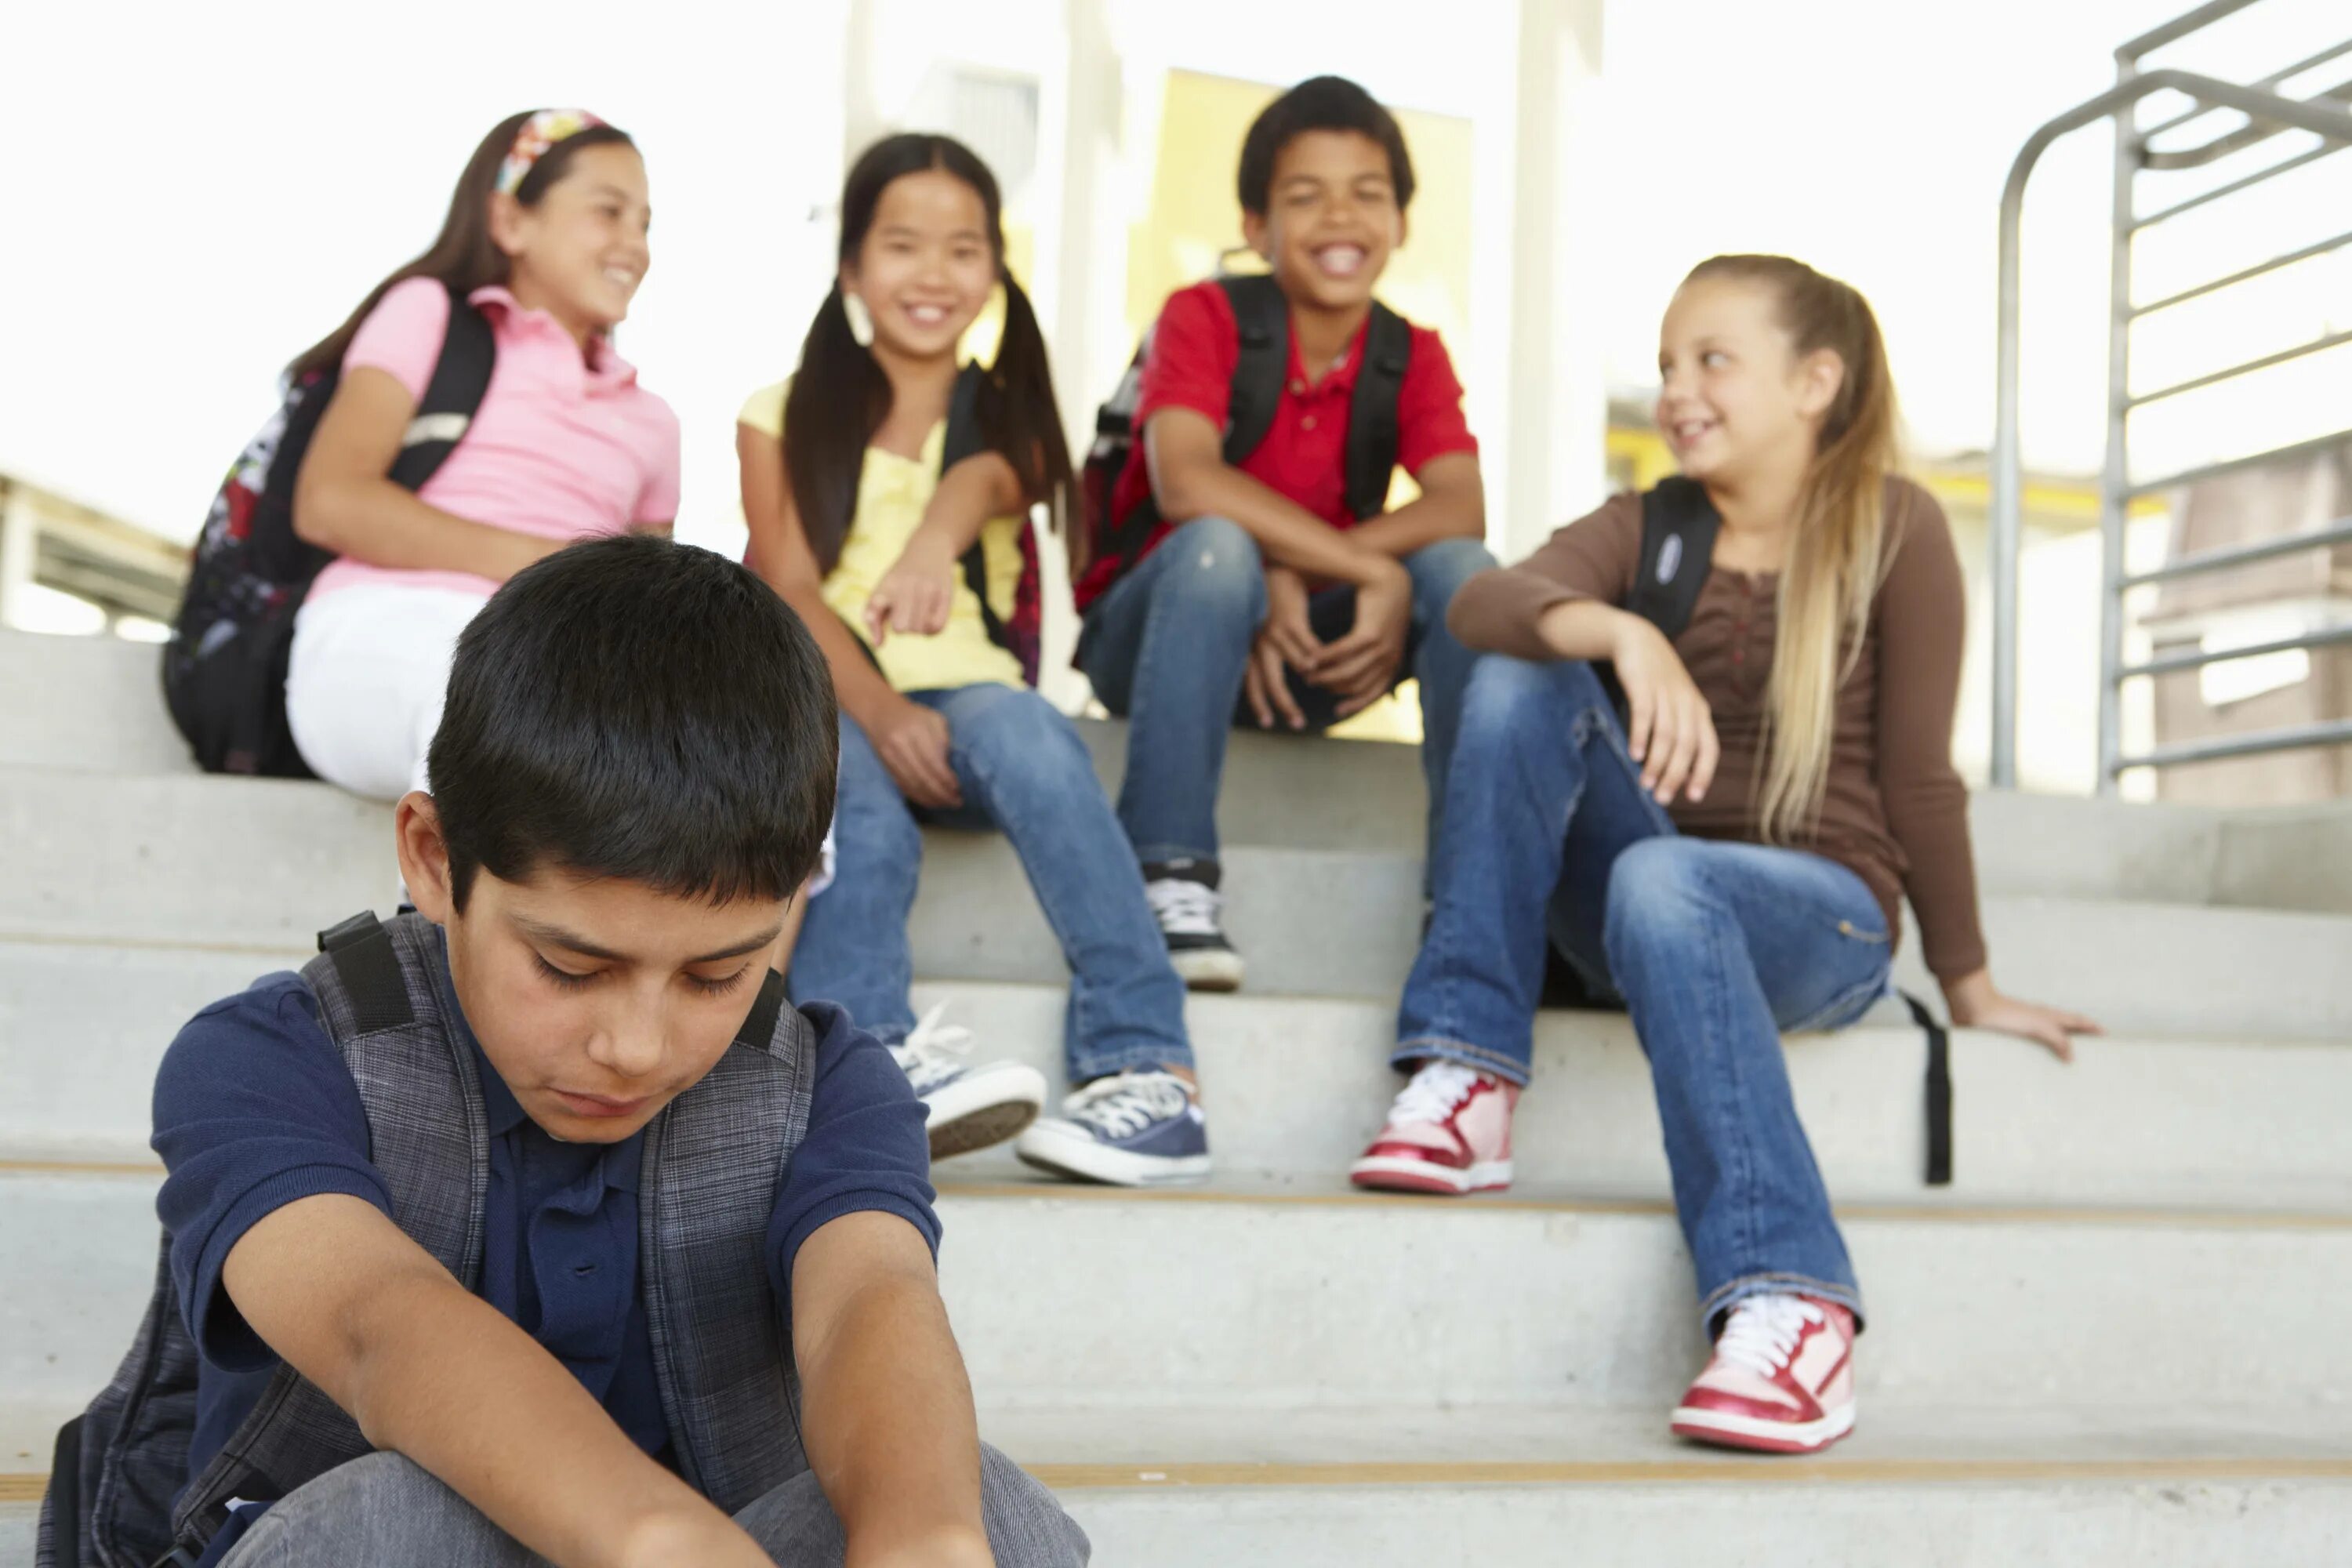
column 2333, row 125
column 2114, row 478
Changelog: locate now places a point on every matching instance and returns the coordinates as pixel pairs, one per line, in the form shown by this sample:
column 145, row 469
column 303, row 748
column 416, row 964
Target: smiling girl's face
column 1733, row 395
column 925, row 268
column 580, row 252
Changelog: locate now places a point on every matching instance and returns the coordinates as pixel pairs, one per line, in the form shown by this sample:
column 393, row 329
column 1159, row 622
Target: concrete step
column 1243, row 1298
column 262, row 864
column 1322, row 1489
column 1609, row 1488
column 93, row 705
column 1296, row 1084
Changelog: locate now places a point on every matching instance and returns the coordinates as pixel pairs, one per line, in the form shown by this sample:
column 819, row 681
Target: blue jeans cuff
column 1726, row 1296
column 1145, row 1058
column 1426, row 1048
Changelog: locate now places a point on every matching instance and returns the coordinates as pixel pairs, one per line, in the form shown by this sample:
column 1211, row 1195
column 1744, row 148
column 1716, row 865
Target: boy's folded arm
column 345, row 501
column 431, row 1372
column 1191, row 479
column 1452, row 505
column 887, row 1414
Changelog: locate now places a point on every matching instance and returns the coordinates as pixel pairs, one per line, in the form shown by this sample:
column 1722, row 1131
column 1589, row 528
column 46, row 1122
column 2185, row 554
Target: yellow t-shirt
column 892, row 492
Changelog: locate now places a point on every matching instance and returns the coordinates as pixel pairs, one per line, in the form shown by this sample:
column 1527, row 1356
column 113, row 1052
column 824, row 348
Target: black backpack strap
column 461, row 378
column 965, row 440
column 370, row 971
column 759, row 1024
column 1939, row 1091
column 1373, row 433
column 1678, row 529
column 1262, row 316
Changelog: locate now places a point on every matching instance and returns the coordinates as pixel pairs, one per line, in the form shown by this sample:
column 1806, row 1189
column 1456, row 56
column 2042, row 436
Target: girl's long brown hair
column 1837, row 545
column 464, row 256
column 840, row 396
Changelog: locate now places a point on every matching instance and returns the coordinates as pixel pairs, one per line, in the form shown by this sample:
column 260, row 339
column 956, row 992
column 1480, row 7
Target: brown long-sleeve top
column 1895, row 811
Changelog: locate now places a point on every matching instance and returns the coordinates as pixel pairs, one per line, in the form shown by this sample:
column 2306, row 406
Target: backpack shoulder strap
column 1373, row 433
column 1262, row 316
column 461, row 378
column 376, row 993
column 965, row 440
column 1678, row 529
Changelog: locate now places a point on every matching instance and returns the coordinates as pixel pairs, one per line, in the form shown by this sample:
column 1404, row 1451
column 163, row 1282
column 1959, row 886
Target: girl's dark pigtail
column 1026, row 423
column 839, row 397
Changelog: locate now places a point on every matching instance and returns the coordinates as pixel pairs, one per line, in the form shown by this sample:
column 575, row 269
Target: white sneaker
column 965, row 1107
column 1186, row 903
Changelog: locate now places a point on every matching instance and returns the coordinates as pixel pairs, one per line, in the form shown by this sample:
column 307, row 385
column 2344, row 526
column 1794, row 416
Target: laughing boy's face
column 1331, row 218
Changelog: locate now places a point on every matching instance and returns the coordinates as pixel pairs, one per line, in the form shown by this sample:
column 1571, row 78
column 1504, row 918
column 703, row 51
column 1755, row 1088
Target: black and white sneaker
column 966, row 1108
column 1186, row 903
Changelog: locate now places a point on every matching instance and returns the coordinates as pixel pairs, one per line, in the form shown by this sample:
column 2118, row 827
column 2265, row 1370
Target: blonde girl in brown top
column 1730, row 858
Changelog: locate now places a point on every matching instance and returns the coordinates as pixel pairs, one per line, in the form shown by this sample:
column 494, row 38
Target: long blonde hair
column 1837, row 535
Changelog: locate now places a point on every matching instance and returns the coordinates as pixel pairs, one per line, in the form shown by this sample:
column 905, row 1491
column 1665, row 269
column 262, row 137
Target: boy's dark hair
column 1319, row 103
column 637, row 709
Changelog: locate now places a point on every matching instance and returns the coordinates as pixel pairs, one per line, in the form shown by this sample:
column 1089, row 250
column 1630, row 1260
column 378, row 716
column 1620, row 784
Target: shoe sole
column 1760, row 1435
column 1209, row 969
column 984, row 1110
column 1389, row 1174
column 1085, row 1159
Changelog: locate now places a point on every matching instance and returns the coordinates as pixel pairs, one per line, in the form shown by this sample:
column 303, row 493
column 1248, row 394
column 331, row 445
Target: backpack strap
column 1373, row 433
column 1678, row 529
column 1262, row 317
column 965, row 440
column 361, row 951
column 1940, row 1091
column 453, row 395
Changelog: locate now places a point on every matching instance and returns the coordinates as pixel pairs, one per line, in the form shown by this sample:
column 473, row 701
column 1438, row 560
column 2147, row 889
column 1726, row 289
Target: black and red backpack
column 224, row 663
column 1262, row 317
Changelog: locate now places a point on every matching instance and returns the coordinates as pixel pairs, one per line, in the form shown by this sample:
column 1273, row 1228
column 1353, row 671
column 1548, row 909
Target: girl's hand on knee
column 914, row 596
column 1669, row 728
column 1977, row 1003
column 912, row 742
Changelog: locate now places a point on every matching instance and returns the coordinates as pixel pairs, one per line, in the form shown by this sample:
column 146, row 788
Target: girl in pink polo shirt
column 546, row 237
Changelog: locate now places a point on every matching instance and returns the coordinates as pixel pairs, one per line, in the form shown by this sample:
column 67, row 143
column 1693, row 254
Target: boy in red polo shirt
column 1260, row 593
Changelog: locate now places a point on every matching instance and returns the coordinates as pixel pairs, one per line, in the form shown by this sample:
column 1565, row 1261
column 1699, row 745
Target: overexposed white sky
column 197, row 192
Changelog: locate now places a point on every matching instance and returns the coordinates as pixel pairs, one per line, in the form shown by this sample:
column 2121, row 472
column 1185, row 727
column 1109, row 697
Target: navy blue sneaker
column 1140, row 1129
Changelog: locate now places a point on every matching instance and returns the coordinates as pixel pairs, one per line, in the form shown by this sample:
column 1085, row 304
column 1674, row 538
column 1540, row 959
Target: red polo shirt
column 1193, row 352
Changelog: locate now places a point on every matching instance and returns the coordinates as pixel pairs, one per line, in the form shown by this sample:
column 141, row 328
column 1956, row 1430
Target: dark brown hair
column 840, row 396
column 464, row 256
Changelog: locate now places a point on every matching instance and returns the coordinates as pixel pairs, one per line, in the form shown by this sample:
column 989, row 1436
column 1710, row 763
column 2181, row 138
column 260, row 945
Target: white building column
column 1538, row 288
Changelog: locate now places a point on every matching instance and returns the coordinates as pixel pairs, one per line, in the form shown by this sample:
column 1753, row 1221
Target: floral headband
column 541, row 131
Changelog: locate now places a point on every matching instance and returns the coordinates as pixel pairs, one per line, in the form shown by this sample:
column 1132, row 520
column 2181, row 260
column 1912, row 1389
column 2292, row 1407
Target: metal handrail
column 2244, row 275
column 2198, row 658
column 2231, row 557
column 2313, row 62
column 2251, row 134
column 2333, row 125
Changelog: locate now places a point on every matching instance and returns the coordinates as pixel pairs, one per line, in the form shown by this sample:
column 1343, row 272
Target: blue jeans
column 1715, row 948
column 1023, row 770
column 1168, row 647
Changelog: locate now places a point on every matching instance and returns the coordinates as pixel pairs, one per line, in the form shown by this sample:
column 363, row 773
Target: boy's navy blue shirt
column 255, row 1110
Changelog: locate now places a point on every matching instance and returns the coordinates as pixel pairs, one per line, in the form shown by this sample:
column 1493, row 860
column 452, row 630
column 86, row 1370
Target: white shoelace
column 1184, row 907
column 932, row 1052
column 1435, row 1093
column 1763, row 1333
column 1127, row 1103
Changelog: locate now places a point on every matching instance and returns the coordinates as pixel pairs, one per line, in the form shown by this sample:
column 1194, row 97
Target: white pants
column 365, row 680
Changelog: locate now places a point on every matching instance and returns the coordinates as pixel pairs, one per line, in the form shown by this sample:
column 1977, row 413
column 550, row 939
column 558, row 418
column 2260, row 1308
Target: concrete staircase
column 2116, row 1337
